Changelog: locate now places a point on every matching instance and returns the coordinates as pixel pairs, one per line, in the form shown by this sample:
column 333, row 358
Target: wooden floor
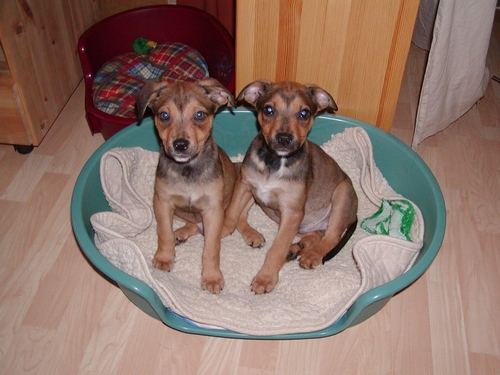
column 58, row 316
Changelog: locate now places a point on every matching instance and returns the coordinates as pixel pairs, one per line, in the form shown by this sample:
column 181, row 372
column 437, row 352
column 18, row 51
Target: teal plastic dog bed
column 233, row 130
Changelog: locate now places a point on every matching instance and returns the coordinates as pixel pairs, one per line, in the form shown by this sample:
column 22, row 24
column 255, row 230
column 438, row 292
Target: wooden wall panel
column 39, row 39
column 354, row 49
column 223, row 10
column 109, row 7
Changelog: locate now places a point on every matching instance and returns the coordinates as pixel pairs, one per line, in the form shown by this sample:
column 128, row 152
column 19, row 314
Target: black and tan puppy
column 194, row 178
column 294, row 181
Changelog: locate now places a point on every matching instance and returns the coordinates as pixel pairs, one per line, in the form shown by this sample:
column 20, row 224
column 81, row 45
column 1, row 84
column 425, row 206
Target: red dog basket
column 115, row 35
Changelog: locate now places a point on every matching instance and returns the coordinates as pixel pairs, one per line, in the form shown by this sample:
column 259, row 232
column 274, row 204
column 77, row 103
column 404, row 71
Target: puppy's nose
column 284, row 139
column 181, row 144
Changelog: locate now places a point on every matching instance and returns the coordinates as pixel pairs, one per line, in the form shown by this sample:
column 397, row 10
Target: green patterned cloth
column 394, row 218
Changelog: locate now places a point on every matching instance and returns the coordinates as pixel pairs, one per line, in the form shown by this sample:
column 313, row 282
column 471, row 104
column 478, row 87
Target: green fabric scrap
column 394, row 218
column 143, row 46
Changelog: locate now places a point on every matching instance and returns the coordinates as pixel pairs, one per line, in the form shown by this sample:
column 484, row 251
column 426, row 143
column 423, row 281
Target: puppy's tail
column 347, row 235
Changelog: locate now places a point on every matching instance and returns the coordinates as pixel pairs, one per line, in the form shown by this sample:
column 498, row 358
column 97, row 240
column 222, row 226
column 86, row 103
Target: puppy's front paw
column 163, row 261
column 264, row 283
column 310, row 259
column 212, row 281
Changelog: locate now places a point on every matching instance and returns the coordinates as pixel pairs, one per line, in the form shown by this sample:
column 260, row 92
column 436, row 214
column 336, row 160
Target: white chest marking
column 267, row 187
column 266, row 190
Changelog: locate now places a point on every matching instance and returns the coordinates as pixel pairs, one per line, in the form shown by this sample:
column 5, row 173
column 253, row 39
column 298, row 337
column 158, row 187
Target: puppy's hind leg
column 239, row 201
column 307, row 241
column 252, row 237
column 182, row 234
column 341, row 225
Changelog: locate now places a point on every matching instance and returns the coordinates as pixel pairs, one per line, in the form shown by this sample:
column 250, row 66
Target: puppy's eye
column 268, row 110
column 164, row 116
column 304, row 114
column 200, row 116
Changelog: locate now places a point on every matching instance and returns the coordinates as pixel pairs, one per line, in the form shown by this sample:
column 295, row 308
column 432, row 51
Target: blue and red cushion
column 118, row 82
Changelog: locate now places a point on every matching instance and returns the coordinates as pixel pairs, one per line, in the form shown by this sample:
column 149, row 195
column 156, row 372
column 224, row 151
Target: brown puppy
column 294, row 181
column 194, row 178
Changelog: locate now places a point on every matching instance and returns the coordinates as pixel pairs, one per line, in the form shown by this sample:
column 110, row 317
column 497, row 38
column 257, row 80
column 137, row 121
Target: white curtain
column 456, row 76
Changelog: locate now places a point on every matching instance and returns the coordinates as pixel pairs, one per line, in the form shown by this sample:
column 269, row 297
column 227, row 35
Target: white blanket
column 303, row 300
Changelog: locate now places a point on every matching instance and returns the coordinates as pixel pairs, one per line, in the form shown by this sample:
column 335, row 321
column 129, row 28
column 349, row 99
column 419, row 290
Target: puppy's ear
column 253, row 91
column 322, row 98
column 217, row 93
column 147, row 96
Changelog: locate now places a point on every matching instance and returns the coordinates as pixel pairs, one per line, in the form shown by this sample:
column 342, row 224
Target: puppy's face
column 183, row 114
column 286, row 111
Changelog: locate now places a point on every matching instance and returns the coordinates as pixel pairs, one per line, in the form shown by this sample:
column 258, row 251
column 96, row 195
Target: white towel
column 303, row 300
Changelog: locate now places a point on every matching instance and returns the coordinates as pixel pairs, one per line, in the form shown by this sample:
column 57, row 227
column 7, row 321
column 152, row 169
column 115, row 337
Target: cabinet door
column 12, row 129
column 39, row 39
column 356, row 50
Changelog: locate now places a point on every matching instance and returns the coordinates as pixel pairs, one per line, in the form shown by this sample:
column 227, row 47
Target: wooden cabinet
column 12, row 128
column 356, row 50
column 39, row 65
